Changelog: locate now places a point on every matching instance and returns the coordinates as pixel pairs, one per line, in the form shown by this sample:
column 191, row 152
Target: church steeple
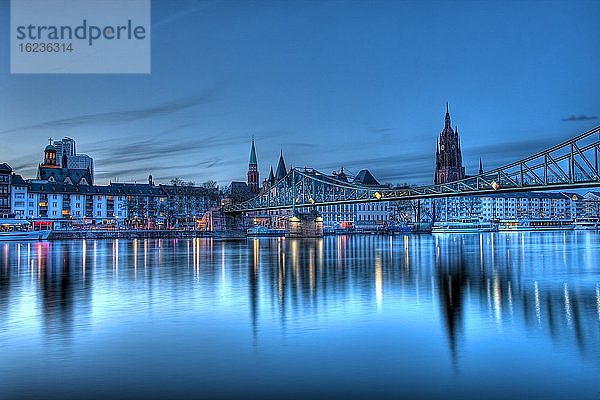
column 271, row 179
column 281, row 169
column 253, row 170
column 447, row 126
column 64, row 160
column 252, row 154
column 480, row 167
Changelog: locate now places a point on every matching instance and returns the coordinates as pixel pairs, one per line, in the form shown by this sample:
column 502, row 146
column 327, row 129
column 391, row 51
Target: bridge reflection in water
column 528, row 287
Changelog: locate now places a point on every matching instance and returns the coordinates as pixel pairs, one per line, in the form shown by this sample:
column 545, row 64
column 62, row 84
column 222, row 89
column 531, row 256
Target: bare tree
column 210, row 184
column 181, row 182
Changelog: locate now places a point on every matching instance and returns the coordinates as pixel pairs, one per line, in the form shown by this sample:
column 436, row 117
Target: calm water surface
column 450, row 316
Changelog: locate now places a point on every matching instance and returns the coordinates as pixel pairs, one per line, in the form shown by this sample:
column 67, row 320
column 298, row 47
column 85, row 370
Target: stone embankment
column 141, row 234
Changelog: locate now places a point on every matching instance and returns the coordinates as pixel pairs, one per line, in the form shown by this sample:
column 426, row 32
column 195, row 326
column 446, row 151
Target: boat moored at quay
column 17, row 229
column 546, row 224
column 592, row 223
column 260, row 230
column 464, row 225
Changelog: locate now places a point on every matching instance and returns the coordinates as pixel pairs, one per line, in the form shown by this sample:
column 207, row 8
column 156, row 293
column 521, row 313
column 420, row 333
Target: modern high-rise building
column 448, row 156
column 66, row 149
column 81, row 161
column 67, row 146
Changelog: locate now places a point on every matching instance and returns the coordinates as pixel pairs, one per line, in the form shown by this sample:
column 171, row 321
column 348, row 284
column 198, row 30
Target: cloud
column 160, row 152
column 509, row 151
column 302, row 146
column 186, row 9
column 381, row 130
column 580, row 117
column 136, row 169
column 130, row 115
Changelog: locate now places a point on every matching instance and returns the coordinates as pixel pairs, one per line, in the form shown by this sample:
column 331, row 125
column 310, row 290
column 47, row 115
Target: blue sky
column 361, row 84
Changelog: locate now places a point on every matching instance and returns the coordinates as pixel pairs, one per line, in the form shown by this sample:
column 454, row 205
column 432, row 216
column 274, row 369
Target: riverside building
column 68, row 198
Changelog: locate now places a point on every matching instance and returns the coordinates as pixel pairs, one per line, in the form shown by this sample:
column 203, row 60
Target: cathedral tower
column 448, row 157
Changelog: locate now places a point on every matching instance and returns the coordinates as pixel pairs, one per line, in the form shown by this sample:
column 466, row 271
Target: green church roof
column 253, row 154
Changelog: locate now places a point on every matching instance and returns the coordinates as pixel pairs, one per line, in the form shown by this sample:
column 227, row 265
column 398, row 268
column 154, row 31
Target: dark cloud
column 24, row 162
column 159, row 151
column 508, row 150
column 122, row 116
column 304, row 146
column 580, row 117
column 148, row 168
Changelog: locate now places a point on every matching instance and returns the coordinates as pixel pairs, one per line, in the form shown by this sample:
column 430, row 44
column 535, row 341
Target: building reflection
column 452, row 278
column 48, row 280
column 6, row 278
column 498, row 275
column 495, row 280
column 253, row 273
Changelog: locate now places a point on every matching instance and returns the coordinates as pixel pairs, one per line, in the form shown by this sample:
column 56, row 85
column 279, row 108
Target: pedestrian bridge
column 572, row 164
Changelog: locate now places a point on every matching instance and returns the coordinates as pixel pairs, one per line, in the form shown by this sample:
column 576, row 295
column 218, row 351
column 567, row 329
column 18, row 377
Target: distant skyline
column 354, row 84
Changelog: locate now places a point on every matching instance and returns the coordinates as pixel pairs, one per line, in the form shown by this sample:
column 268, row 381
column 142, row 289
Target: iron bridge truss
column 570, row 165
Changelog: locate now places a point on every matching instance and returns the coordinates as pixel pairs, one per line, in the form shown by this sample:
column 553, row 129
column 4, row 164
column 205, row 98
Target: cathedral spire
column 447, row 117
column 480, row 167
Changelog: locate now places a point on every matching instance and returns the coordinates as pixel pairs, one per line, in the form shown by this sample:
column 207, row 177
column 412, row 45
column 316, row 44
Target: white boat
column 15, row 229
column 260, row 230
column 465, row 225
column 545, row 224
column 587, row 223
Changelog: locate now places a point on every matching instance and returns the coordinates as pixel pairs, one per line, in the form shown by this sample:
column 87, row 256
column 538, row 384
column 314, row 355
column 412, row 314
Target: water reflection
column 446, row 271
column 452, row 277
column 544, row 285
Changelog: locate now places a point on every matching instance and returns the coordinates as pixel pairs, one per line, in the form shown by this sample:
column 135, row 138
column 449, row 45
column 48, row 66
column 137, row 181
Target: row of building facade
column 380, row 215
column 67, row 197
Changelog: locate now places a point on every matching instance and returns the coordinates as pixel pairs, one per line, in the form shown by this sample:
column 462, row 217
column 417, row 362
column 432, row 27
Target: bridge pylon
column 304, row 225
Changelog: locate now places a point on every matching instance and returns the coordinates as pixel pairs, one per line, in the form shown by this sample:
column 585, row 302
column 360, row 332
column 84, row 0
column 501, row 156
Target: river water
column 491, row 315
